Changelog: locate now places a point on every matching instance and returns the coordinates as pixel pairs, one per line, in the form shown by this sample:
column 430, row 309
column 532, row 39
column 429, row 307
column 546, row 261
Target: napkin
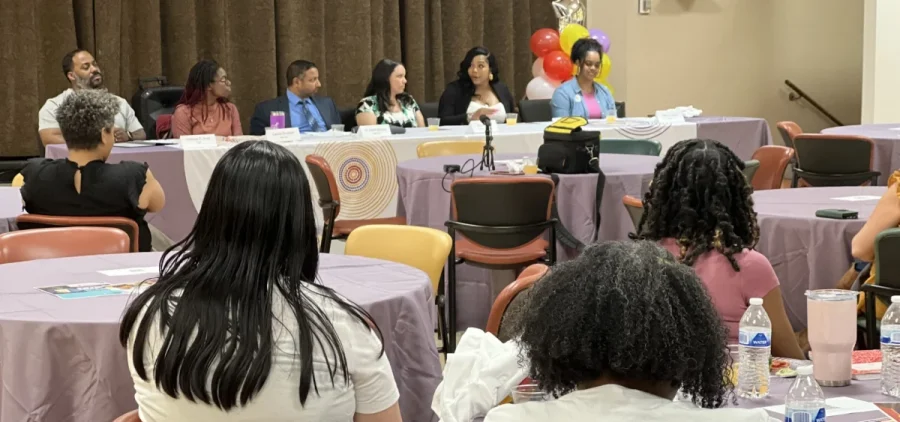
column 481, row 373
column 688, row 111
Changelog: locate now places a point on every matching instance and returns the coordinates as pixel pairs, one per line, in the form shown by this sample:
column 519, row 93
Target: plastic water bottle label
column 890, row 335
column 804, row 415
column 755, row 338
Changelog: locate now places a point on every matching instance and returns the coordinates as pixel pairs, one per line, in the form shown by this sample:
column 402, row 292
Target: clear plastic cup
column 434, row 123
column 528, row 392
column 512, row 118
column 337, row 128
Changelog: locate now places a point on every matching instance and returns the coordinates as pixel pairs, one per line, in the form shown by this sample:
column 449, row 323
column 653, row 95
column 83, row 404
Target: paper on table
column 857, row 198
column 836, row 406
column 130, row 271
column 894, row 128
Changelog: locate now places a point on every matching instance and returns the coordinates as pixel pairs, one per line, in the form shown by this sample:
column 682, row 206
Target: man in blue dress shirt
column 301, row 106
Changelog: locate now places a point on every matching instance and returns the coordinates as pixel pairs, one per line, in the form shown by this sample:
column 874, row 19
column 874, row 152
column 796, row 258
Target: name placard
column 669, row 116
column 477, row 128
column 198, row 141
column 288, row 134
column 374, row 131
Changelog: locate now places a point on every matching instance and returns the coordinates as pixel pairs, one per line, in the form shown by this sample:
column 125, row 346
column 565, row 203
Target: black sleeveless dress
column 107, row 190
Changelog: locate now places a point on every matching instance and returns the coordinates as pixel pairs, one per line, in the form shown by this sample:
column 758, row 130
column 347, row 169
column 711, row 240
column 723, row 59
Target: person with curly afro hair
column 700, row 208
column 615, row 333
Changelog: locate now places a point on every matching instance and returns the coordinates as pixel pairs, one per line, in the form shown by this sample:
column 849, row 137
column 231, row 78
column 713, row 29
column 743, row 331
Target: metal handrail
column 798, row 94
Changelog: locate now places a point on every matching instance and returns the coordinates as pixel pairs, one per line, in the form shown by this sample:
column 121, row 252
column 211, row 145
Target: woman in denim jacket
column 581, row 96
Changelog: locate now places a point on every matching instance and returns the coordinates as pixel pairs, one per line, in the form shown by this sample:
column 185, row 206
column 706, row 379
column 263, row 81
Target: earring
column 491, row 77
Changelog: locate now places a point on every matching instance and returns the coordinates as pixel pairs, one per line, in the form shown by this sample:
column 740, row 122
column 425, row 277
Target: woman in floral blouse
column 386, row 100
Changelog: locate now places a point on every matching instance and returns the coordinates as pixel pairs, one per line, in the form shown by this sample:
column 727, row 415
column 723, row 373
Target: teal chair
column 630, row 146
column 750, row 168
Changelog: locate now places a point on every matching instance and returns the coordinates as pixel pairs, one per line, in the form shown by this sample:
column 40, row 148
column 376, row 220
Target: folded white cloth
column 481, row 373
column 688, row 111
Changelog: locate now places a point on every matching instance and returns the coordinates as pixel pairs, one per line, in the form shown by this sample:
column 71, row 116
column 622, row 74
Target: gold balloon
column 571, row 33
column 568, row 12
column 605, row 68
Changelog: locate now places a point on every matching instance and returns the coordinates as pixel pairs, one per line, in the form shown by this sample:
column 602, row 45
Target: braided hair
column 700, row 198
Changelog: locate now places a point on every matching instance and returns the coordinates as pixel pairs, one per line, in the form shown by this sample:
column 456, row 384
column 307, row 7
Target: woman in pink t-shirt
column 699, row 208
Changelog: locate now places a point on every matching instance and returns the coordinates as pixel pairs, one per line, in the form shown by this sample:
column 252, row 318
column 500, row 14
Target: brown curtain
column 254, row 40
column 438, row 33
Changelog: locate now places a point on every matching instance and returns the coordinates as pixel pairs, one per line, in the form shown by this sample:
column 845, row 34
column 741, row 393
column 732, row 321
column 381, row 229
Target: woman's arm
column 447, row 110
column 420, row 119
column 560, row 103
column 885, row 216
column 784, row 342
column 236, row 129
column 181, row 121
column 152, row 198
column 391, row 414
column 366, row 119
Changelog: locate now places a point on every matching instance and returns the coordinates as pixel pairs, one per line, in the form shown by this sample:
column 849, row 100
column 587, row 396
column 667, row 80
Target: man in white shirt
column 83, row 72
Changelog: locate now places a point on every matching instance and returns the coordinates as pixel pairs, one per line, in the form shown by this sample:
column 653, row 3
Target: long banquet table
column 366, row 168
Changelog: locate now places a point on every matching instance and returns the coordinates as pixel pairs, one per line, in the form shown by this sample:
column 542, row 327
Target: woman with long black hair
column 237, row 328
column 477, row 91
column 386, row 100
column 204, row 107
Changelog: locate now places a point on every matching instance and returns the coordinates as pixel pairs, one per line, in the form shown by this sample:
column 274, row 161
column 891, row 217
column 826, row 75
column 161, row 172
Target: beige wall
column 731, row 57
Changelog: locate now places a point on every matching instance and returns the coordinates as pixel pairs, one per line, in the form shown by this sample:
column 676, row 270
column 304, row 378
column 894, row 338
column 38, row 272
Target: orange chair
column 330, row 201
column 635, row 209
column 789, row 130
column 525, row 280
column 27, row 245
column 37, row 221
column 131, row 416
column 773, row 161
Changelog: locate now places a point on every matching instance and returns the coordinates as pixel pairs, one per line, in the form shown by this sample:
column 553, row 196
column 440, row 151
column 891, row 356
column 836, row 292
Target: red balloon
column 557, row 66
column 544, row 41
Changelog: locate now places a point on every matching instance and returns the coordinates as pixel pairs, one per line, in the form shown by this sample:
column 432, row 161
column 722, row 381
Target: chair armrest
column 879, row 290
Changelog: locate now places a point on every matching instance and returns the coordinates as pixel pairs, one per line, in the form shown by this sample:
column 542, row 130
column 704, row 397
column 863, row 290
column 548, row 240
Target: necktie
column 309, row 117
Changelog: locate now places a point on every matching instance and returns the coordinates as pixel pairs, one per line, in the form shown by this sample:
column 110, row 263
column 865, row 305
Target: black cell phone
column 837, row 214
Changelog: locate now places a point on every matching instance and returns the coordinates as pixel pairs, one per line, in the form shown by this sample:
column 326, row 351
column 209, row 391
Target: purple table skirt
column 61, row 359
column 887, row 153
column 10, row 208
column 808, row 252
column 425, row 202
column 167, row 165
column 744, row 135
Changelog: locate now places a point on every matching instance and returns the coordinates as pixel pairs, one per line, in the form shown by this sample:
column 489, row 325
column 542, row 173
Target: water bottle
column 805, row 400
column 754, row 349
column 890, row 349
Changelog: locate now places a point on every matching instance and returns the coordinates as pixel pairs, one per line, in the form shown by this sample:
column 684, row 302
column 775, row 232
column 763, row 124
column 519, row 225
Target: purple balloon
column 602, row 38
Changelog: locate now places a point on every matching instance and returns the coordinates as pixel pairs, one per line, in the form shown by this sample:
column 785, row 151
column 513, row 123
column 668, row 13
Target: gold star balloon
column 569, row 11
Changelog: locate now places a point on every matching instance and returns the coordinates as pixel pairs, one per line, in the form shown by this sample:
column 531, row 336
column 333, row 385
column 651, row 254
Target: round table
column 61, row 359
column 887, row 152
column 10, row 207
column 808, row 252
column 425, row 201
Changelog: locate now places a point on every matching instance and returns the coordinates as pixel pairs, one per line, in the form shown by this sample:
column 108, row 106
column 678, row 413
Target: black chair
column 501, row 223
column 834, row 160
column 620, row 109
column 887, row 282
column 10, row 167
column 535, row 111
column 429, row 110
column 151, row 102
column 630, row 147
column 348, row 118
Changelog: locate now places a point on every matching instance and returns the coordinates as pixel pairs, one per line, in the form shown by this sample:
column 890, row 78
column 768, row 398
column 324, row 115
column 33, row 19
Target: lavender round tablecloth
column 887, row 152
column 10, row 208
column 61, row 359
column 808, row 252
column 424, row 200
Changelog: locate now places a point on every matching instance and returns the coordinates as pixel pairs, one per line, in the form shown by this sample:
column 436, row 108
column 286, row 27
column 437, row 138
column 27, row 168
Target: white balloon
column 539, row 89
column 537, row 69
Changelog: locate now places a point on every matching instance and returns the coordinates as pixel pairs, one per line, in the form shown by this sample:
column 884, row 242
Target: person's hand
column 121, row 135
column 484, row 111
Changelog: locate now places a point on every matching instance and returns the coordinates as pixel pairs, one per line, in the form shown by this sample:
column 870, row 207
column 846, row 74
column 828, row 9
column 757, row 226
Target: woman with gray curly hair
column 84, row 184
column 616, row 332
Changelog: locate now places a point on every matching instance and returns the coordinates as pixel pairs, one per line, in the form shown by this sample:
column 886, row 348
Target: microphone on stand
column 487, row 157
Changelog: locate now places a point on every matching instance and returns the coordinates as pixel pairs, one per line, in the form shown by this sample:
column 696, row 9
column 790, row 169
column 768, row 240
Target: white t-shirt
column 616, row 403
column 125, row 118
column 371, row 388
